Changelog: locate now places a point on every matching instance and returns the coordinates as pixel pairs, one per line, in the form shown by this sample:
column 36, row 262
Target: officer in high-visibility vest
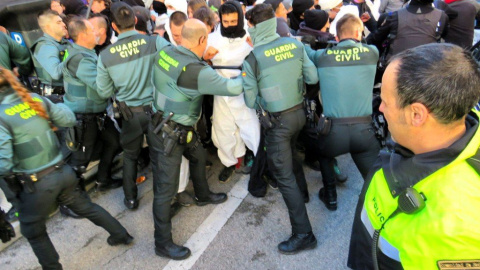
column 419, row 207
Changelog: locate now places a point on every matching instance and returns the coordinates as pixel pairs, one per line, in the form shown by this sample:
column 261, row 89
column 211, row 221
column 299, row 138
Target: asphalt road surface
column 242, row 233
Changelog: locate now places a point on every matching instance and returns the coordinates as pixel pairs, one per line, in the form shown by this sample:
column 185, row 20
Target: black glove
column 309, row 40
column 6, row 229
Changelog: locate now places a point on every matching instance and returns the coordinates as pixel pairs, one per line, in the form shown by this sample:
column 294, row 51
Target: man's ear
column 418, row 114
column 114, row 26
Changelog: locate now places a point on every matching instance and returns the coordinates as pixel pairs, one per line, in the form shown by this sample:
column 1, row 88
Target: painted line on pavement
column 211, row 226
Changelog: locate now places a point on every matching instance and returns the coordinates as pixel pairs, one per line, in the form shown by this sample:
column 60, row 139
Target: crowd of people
column 254, row 82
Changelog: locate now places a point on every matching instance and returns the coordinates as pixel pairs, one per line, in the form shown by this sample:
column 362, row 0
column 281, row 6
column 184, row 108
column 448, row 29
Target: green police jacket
column 11, row 51
column 181, row 78
column 47, row 59
column 275, row 71
column 27, row 142
column 444, row 234
column 346, row 73
column 79, row 78
column 125, row 68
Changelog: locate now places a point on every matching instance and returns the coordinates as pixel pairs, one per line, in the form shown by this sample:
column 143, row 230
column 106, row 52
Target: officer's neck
column 436, row 136
column 56, row 37
column 197, row 50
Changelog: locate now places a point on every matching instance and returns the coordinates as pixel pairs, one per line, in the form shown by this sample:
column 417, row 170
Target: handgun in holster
column 170, row 138
column 20, row 182
column 125, row 111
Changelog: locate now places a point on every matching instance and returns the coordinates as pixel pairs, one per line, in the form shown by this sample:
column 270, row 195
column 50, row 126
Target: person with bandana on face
column 234, row 125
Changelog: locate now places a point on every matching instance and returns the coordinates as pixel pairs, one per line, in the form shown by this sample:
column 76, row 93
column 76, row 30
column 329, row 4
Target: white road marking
column 211, row 226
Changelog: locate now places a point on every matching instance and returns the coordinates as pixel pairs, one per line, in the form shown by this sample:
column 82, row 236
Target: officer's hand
column 209, row 53
column 6, row 230
column 309, row 40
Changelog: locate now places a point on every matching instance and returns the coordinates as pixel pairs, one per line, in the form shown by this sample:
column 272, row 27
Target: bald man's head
column 193, row 30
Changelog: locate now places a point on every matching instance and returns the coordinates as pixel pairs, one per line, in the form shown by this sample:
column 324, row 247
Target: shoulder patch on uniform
column 460, row 264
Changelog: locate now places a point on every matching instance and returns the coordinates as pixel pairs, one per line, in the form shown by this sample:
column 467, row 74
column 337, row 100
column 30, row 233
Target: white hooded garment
column 234, row 125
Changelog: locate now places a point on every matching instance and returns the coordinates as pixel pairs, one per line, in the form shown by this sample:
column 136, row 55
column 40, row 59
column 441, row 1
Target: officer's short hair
column 178, row 18
column 260, row 13
column 76, row 26
column 443, row 77
column 348, row 25
column 45, row 17
column 123, row 15
column 205, row 15
column 100, row 19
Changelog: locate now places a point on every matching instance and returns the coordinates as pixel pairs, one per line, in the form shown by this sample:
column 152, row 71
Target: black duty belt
column 140, row 109
column 88, row 116
column 46, row 171
column 294, row 108
column 352, row 120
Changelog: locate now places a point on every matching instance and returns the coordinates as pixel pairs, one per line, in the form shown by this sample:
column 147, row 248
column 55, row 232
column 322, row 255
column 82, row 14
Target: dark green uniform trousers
column 357, row 139
column 103, row 144
column 286, row 167
column 131, row 139
column 56, row 188
column 166, row 173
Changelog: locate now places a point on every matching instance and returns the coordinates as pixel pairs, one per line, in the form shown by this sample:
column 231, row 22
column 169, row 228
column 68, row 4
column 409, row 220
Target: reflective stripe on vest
column 384, row 246
column 170, row 105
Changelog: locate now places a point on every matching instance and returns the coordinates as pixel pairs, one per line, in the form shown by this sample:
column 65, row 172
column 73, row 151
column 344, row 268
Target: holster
column 170, row 138
column 13, row 184
column 310, row 108
column 125, row 111
column 101, row 122
column 20, row 182
column 74, row 135
column 324, row 125
column 265, row 119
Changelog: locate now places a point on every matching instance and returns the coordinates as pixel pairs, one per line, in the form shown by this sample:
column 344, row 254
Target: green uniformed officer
column 79, row 75
column 11, row 51
column 48, row 51
column 32, row 165
column 181, row 79
column 273, row 78
column 124, row 71
column 346, row 73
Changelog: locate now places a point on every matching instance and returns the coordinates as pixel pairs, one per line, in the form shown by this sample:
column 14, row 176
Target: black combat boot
column 328, row 195
column 298, row 242
column 173, row 251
